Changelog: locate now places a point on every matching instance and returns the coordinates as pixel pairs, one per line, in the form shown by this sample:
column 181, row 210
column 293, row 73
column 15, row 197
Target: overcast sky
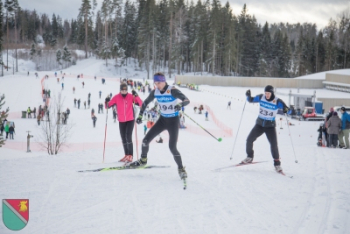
column 272, row 11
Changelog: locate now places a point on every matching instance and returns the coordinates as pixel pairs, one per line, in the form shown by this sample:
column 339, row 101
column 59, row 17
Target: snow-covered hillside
column 247, row 199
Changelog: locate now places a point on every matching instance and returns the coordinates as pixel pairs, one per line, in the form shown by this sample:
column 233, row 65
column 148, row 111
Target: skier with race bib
column 265, row 123
column 166, row 96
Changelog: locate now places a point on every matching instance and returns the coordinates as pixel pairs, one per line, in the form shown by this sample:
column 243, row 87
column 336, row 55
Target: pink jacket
column 125, row 108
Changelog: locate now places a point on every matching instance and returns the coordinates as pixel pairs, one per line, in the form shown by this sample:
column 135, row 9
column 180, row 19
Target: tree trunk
column 154, row 52
column 7, row 35
column 86, row 34
column 214, row 57
column 201, row 57
column 170, row 42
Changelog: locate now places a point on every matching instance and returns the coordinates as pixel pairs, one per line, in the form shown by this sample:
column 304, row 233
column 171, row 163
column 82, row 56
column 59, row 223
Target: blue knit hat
column 159, row 78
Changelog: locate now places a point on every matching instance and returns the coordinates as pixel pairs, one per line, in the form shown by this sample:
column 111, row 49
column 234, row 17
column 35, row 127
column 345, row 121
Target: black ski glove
column 178, row 107
column 134, row 93
column 285, row 109
column 139, row 119
column 248, row 94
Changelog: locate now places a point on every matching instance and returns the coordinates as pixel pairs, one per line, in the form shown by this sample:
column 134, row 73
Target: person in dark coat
column 334, row 127
column 11, row 131
column 94, row 118
column 331, row 110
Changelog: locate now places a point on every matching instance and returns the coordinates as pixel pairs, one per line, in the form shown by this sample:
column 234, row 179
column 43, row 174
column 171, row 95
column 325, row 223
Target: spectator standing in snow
column 34, row 112
column 330, row 114
column 7, row 129
column 89, row 103
column 83, row 84
column 334, row 127
column 78, row 103
column 123, row 102
column 75, row 102
column 206, row 115
column 229, row 105
column 345, row 129
column 29, row 111
column 2, row 127
column 106, row 101
column 62, row 85
column 38, row 119
column 100, row 93
column 73, row 89
column 11, row 131
column 94, row 118
column 68, row 112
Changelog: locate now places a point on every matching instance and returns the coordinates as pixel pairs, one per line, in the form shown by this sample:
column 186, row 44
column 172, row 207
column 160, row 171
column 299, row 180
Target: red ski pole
column 104, row 144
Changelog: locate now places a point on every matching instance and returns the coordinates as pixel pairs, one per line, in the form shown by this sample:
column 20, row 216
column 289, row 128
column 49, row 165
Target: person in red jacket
column 125, row 111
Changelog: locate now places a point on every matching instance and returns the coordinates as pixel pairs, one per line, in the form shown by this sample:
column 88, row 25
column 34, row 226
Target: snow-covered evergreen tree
column 66, row 57
column 32, row 52
column 58, row 57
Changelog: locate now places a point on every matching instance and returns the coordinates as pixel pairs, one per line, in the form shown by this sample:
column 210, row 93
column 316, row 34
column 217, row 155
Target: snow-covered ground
column 248, row 199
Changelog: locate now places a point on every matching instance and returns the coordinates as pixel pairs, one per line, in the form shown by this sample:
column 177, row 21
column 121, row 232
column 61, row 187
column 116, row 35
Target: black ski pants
column 271, row 135
column 125, row 129
column 333, row 140
column 172, row 126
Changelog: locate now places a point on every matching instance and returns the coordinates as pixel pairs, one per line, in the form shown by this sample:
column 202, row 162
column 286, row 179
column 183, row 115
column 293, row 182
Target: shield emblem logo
column 15, row 213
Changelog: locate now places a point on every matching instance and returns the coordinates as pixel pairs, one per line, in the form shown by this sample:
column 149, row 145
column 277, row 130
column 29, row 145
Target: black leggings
column 172, row 126
column 271, row 136
column 125, row 129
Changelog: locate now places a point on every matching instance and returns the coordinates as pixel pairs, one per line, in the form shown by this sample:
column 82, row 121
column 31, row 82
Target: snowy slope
column 248, row 199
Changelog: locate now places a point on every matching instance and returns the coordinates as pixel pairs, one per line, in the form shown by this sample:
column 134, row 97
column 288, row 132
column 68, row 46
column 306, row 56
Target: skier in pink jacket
column 124, row 104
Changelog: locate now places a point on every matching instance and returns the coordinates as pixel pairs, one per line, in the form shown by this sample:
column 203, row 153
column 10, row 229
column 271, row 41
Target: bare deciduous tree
column 54, row 132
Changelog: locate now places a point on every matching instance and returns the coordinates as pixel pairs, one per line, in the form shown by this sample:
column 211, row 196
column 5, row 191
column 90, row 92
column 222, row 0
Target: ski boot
column 278, row 168
column 247, row 160
column 182, row 173
column 139, row 163
column 123, row 159
column 128, row 158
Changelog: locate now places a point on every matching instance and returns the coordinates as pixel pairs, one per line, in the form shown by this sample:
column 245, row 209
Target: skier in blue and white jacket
column 265, row 123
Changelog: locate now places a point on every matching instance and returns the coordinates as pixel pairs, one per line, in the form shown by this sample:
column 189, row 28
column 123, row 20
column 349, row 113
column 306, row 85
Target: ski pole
column 137, row 142
column 234, row 144
column 218, row 139
column 104, row 144
column 296, row 161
